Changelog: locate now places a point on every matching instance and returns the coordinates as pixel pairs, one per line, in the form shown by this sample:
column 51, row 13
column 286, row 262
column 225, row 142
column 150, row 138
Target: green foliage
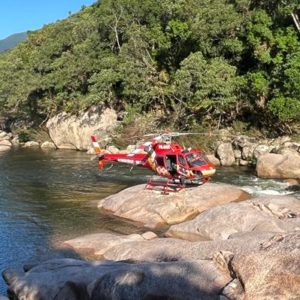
column 206, row 86
column 23, row 137
column 286, row 109
column 196, row 61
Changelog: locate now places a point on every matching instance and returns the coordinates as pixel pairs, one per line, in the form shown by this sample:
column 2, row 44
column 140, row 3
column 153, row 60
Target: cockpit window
column 181, row 160
column 195, row 160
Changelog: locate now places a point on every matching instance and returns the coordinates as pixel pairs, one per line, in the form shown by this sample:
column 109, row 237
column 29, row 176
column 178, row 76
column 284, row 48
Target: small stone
column 149, row 235
column 30, row 144
column 48, row 145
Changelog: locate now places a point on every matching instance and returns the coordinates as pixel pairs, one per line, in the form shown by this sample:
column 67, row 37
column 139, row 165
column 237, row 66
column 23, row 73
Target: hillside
column 12, row 41
column 214, row 63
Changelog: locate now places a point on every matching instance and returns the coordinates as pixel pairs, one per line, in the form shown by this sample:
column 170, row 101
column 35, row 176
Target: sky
column 23, row 15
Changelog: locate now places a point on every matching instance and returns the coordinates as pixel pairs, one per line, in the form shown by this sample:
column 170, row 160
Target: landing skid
column 165, row 186
column 156, row 183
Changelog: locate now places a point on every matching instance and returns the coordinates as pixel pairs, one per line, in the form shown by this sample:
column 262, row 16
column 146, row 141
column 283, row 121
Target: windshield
column 195, row 160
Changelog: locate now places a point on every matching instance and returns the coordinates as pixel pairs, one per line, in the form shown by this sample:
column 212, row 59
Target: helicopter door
column 160, row 161
column 171, row 163
column 182, row 170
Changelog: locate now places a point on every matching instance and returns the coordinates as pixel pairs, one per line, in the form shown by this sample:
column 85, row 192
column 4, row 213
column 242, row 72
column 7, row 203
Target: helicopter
column 169, row 160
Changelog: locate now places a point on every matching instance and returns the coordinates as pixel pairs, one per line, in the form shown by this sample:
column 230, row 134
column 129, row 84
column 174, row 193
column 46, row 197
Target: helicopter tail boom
column 98, row 151
column 96, row 145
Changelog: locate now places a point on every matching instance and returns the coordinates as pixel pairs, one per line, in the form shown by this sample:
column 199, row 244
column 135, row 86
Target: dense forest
column 208, row 62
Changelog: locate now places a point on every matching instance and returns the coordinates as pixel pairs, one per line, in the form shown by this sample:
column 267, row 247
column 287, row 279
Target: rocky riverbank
column 210, row 245
column 274, row 158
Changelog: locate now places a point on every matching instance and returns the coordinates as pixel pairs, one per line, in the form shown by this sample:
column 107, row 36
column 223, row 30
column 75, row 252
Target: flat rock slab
column 262, row 214
column 95, row 245
column 154, row 209
column 170, row 249
column 135, row 247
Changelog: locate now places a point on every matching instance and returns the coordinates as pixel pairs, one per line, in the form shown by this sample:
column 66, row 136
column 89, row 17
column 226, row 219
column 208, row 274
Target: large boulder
column 263, row 214
column 5, row 145
column 226, row 154
column 154, row 209
column 272, row 165
column 48, row 145
column 74, row 279
column 31, row 144
column 213, row 159
column 273, row 272
column 259, row 262
column 74, row 131
column 261, row 150
column 247, row 151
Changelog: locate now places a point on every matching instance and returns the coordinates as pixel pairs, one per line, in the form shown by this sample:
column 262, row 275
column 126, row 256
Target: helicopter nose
column 208, row 172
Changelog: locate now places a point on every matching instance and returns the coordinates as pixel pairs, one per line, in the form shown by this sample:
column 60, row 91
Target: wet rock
column 74, row 132
column 10, row 276
column 267, row 214
column 31, row 144
column 154, row 209
column 272, row 165
column 225, row 154
column 5, row 145
column 48, row 145
column 5, row 135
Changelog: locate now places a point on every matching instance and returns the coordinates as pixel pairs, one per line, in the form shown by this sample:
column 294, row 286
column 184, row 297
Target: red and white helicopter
column 166, row 159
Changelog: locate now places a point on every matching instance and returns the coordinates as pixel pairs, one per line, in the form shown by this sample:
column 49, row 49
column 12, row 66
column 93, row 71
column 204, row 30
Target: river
column 50, row 196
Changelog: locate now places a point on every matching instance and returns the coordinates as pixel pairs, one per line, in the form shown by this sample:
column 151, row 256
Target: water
column 245, row 178
column 47, row 197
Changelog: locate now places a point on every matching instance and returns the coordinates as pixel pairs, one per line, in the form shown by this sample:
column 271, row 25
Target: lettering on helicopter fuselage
column 130, row 161
column 164, row 147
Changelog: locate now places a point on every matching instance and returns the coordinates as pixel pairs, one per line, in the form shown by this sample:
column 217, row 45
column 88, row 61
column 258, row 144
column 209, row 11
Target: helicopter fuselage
column 167, row 160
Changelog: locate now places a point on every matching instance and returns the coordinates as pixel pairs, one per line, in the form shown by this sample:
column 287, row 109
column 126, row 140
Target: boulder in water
column 154, row 209
column 280, row 166
column 74, row 132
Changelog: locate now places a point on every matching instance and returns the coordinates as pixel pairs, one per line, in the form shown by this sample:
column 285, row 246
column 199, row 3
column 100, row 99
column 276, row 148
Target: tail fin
column 96, row 144
column 98, row 151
